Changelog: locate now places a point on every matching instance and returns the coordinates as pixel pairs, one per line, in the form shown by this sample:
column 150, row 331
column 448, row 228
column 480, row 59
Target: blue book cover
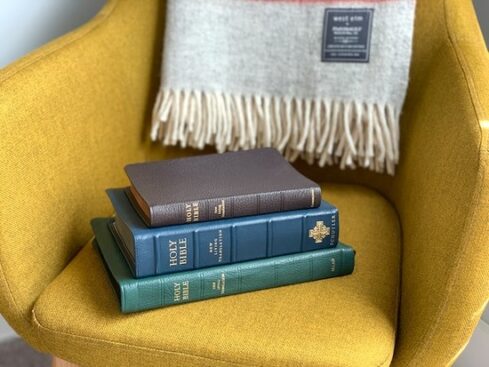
column 163, row 250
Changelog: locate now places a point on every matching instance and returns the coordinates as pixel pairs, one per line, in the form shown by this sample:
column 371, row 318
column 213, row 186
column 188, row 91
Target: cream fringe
column 348, row 133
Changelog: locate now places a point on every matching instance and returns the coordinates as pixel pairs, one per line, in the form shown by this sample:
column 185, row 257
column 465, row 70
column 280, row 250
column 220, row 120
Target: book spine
column 234, row 206
column 138, row 250
column 162, row 291
column 181, row 248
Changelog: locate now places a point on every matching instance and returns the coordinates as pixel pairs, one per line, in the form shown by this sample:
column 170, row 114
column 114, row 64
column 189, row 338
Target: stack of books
column 209, row 226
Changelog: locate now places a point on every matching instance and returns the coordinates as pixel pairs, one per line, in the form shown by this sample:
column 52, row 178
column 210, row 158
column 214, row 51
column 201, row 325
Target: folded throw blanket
column 321, row 79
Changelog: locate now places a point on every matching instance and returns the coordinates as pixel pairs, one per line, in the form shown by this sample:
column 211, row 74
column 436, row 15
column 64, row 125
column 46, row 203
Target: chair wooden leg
column 60, row 363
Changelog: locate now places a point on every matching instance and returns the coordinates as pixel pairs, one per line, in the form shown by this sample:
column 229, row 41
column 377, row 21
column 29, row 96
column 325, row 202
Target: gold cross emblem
column 319, row 232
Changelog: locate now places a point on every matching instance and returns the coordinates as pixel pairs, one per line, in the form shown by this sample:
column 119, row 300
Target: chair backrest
column 71, row 117
column 441, row 187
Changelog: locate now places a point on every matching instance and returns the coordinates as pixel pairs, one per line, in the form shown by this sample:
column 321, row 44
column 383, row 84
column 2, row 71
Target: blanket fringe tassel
column 348, row 133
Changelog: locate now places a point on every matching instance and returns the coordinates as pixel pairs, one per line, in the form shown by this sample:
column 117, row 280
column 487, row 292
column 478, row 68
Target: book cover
column 218, row 186
column 189, row 286
column 151, row 251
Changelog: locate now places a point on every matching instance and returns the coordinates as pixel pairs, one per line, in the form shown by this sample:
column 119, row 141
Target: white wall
column 486, row 314
column 476, row 354
column 5, row 331
column 27, row 24
column 482, row 8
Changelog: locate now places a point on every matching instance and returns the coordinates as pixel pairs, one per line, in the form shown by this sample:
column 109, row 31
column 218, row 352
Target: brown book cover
column 217, row 186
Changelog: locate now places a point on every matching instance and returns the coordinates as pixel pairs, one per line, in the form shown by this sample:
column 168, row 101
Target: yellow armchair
column 75, row 111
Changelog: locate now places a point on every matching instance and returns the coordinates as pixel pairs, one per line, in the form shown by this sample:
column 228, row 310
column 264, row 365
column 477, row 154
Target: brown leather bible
column 217, row 186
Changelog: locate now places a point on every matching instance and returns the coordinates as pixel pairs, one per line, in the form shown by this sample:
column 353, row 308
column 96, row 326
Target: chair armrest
column 72, row 116
column 442, row 193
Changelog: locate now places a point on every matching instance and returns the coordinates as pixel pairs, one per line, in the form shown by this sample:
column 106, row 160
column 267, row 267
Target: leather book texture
column 189, row 286
column 217, row 186
column 162, row 250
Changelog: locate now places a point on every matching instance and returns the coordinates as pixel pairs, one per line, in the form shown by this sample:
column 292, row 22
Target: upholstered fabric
column 349, row 321
column 64, row 138
column 75, row 111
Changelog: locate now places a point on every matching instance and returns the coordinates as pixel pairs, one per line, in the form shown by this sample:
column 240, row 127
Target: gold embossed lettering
column 192, row 213
column 177, row 292
column 172, row 253
column 182, row 251
column 185, row 290
column 178, row 252
column 220, row 209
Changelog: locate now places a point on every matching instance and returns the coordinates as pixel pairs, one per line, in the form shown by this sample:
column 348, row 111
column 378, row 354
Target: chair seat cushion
column 348, row 321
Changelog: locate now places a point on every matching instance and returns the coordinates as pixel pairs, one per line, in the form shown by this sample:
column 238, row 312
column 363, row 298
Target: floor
column 15, row 353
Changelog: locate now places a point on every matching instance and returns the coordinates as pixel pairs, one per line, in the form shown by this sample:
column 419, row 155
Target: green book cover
column 189, row 286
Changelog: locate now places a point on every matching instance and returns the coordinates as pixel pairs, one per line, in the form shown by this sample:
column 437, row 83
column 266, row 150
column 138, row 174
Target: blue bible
column 163, row 250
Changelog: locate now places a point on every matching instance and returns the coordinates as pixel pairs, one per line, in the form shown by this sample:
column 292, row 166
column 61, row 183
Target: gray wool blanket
column 324, row 80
